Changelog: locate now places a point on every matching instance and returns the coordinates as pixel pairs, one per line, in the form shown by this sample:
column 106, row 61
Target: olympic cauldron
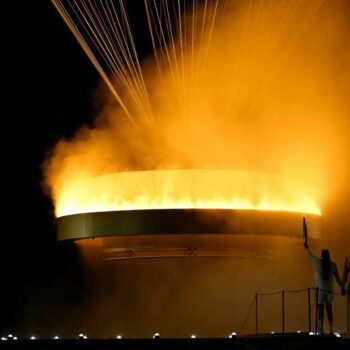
column 174, row 213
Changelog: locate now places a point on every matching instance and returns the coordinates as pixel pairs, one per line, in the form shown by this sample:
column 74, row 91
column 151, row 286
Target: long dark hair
column 325, row 263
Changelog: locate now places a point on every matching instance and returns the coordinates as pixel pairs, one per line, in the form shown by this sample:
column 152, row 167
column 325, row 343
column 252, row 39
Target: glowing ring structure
column 183, row 221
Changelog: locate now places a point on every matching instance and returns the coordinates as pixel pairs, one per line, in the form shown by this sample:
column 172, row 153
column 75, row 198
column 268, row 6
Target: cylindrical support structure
column 309, row 306
column 256, row 315
column 283, row 311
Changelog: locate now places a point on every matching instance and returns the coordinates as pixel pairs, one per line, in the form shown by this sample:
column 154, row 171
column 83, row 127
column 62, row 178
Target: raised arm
column 306, row 246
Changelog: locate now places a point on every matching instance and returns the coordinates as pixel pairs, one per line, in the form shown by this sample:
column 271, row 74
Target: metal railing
column 257, row 300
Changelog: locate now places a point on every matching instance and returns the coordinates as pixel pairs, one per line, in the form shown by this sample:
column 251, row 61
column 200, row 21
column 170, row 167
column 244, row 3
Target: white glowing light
column 193, row 336
column 232, row 335
column 119, row 337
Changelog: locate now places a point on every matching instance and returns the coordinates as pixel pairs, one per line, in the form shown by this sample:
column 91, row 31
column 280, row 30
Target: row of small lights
column 336, row 334
column 312, row 333
column 11, row 337
column 83, row 336
column 155, row 336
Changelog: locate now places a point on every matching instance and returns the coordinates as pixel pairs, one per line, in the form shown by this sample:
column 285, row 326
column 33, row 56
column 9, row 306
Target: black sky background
column 48, row 85
column 46, row 95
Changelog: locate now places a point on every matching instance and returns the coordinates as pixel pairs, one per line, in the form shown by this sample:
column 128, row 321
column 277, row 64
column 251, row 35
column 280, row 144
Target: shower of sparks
column 176, row 27
column 102, row 27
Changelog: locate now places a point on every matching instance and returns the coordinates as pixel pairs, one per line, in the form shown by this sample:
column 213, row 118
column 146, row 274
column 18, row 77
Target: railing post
column 347, row 311
column 283, row 311
column 309, row 306
column 256, row 314
column 316, row 295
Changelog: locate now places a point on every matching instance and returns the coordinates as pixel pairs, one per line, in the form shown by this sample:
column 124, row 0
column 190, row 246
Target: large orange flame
column 263, row 101
column 168, row 189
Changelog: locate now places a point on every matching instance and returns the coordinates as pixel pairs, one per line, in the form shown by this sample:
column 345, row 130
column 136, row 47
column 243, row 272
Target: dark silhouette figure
column 346, row 273
column 325, row 271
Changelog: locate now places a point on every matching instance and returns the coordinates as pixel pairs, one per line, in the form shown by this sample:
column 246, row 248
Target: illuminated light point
column 156, row 335
column 298, row 332
column 3, row 338
column 11, row 337
column 337, row 335
column 119, row 336
column 233, row 335
column 193, row 336
column 32, row 337
column 56, row 337
column 311, row 333
column 82, row 336
column 272, row 332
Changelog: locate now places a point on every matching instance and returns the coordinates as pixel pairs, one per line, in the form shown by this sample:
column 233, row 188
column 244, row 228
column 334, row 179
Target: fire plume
column 249, row 97
column 184, row 189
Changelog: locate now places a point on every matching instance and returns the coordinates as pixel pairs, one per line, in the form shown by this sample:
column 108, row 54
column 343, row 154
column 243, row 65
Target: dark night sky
column 48, row 85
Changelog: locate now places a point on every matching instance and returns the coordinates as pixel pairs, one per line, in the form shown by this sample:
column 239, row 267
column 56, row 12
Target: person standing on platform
column 325, row 271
